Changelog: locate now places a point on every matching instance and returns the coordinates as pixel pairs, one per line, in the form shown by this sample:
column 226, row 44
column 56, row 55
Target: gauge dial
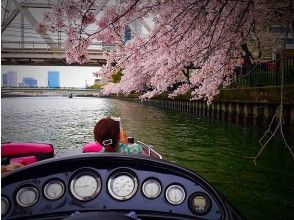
column 54, row 190
column 175, row 194
column 4, row 206
column 27, row 196
column 151, row 188
column 122, row 186
column 200, row 203
column 85, row 187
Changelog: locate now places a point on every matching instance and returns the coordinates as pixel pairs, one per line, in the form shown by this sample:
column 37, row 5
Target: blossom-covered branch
column 207, row 34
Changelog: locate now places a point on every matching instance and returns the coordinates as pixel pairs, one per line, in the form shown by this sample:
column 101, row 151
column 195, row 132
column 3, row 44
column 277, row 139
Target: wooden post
column 197, row 108
column 255, row 114
column 291, row 126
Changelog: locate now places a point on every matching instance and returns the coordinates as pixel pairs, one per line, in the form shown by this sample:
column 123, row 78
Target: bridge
column 18, row 91
column 39, row 53
column 22, row 45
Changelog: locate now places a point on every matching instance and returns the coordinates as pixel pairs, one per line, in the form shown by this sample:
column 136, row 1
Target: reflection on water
column 215, row 150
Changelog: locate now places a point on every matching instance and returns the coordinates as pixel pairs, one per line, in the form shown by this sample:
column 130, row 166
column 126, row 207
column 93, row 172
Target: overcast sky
column 70, row 76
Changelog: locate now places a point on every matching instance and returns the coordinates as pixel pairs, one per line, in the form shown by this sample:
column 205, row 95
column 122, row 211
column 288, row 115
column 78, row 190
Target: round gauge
column 85, row 186
column 200, row 203
column 4, row 206
column 151, row 188
column 54, row 190
column 27, row 196
column 122, row 186
column 175, row 194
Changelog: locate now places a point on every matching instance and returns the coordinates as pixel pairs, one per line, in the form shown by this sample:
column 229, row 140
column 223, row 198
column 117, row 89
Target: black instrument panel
column 109, row 182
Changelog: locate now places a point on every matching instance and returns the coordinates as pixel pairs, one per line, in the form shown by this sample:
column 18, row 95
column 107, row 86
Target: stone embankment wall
column 250, row 106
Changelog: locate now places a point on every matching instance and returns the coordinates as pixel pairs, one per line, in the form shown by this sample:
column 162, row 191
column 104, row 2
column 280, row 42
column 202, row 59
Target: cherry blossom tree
column 208, row 35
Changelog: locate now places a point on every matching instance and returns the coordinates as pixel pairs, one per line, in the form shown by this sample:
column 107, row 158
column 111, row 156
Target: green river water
column 216, row 150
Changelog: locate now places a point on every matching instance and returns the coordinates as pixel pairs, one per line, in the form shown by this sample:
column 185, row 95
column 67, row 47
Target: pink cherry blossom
column 41, row 28
column 88, row 18
column 206, row 35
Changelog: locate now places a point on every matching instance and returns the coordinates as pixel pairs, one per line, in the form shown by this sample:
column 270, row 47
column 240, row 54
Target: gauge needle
column 121, row 187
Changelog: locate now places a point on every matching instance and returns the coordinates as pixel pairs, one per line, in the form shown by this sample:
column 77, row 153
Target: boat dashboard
column 94, row 186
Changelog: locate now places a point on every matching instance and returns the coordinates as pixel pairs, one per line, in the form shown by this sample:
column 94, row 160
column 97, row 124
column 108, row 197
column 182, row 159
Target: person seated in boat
column 113, row 138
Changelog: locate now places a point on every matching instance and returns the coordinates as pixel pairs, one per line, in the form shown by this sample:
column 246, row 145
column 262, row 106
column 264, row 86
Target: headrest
column 92, row 147
column 25, row 149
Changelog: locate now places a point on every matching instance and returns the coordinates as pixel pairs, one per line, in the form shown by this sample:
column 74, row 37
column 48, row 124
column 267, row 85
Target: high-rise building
column 9, row 79
column 53, row 79
column 132, row 30
column 127, row 34
column 29, row 82
column 4, row 79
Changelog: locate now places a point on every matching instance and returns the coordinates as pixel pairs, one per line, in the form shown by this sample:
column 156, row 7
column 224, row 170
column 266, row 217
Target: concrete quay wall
column 246, row 106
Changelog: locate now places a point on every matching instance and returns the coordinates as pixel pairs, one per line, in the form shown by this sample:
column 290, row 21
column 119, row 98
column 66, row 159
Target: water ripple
column 213, row 149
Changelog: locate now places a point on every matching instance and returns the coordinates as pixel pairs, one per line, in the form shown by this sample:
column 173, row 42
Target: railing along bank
column 264, row 74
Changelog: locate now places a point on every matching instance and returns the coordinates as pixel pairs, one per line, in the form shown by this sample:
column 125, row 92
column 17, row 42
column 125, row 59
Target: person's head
column 107, row 130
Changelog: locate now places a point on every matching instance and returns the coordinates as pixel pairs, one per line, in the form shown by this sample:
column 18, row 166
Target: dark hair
column 106, row 129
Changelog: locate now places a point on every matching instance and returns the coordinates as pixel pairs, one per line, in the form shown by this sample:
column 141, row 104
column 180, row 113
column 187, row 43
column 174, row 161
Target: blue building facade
column 128, row 34
column 4, row 79
column 9, row 79
column 53, row 79
column 29, row 82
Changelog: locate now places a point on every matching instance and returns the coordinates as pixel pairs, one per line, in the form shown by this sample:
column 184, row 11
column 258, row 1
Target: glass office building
column 4, row 79
column 53, row 79
column 29, row 82
column 128, row 34
column 9, row 79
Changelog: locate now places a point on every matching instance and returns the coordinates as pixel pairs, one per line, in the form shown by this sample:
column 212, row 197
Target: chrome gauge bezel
column 149, row 181
column 4, row 201
column 118, row 175
column 171, row 187
column 76, row 177
column 46, row 188
column 24, row 189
